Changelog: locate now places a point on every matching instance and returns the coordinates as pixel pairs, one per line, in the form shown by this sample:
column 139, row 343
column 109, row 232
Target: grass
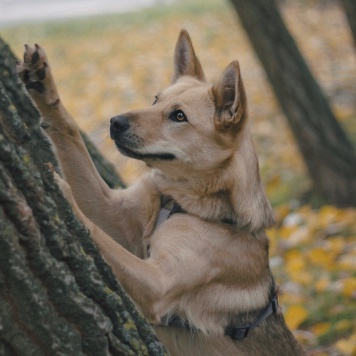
column 110, row 64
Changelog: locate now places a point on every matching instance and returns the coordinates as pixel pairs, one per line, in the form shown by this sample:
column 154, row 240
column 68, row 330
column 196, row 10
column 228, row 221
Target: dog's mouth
column 144, row 156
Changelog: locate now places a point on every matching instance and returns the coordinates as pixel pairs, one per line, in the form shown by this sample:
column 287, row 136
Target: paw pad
column 33, row 70
column 38, row 86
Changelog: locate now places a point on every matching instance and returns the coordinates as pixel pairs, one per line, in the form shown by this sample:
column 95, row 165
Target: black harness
column 235, row 332
column 238, row 332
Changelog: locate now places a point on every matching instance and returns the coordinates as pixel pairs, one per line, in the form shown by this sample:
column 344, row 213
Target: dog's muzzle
column 120, row 132
column 128, row 143
column 118, row 125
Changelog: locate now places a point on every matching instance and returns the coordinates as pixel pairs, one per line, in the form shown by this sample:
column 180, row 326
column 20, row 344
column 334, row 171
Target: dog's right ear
column 185, row 60
column 230, row 98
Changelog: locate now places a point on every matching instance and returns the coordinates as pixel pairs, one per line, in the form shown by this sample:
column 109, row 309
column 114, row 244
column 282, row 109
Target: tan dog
column 201, row 274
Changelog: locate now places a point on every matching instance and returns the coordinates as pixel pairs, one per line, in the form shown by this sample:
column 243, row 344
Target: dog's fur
column 209, row 265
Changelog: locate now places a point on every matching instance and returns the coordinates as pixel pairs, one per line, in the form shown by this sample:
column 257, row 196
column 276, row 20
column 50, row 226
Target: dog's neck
column 233, row 193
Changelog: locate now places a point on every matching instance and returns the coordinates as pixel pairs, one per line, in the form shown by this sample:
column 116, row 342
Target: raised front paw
column 36, row 74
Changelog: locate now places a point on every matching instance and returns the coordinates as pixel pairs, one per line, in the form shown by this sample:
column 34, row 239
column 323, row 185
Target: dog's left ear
column 185, row 60
column 230, row 98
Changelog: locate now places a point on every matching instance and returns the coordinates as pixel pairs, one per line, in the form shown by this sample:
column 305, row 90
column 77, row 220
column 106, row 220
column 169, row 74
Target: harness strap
column 241, row 331
column 163, row 215
column 236, row 332
column 168, row 208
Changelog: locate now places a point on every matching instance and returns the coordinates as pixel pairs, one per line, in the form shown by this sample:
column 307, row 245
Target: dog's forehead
column 185, row 86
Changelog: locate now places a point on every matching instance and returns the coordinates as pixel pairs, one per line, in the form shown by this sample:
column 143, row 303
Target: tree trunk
column 57, row 294
column 350, row 11
column 327, row 152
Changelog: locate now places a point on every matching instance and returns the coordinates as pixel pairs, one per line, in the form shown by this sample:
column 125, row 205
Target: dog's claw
column 35, row 57
column 25, row 57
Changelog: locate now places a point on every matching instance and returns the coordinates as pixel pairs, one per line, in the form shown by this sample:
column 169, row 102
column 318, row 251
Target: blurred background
column 109, row 57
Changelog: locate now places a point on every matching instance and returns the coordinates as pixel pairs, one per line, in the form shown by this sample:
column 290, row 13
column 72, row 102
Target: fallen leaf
column 320, row 328
column 320, row 256
column 295, row 316
column 349, row 287
column 347, row 346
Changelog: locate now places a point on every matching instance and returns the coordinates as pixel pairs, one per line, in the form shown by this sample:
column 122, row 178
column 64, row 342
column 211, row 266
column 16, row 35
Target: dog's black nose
column 120, row 123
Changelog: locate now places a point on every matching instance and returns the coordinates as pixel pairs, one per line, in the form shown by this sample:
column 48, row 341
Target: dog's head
column 191, row 124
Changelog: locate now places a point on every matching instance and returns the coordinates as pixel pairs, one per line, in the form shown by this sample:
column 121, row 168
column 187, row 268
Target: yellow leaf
column 304, row 278
column 322, row 284
column 292, row 255
column 273, row 183
column 286, row 231
column 343, row 325
column 347, row 262
column 350, row 216
column 320, row 328
column 282, row 211
column 327, row 215
column 295, row 316
column 349, row 287
column 336, row 244
column 321, row 257
column 295, row 266
column 347, row 346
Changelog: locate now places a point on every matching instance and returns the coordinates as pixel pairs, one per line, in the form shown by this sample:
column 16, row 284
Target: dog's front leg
column 98, row 202
column 155, row 284
column 77, row 166
column 143, row 281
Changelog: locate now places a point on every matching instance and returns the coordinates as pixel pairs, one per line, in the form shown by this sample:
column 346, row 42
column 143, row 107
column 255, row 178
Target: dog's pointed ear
column 185, row 60
column 230, row 98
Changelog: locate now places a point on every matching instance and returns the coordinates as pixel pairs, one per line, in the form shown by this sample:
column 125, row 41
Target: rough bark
column 57, row 294
column 326, row 150
column 350, row 11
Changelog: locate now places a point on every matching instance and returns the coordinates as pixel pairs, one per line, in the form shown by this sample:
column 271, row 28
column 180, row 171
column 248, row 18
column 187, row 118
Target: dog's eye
column 155, row 101
column 178, row 116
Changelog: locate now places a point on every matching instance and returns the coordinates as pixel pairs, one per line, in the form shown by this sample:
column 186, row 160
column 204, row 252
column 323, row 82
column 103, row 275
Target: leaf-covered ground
column 110, row 64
